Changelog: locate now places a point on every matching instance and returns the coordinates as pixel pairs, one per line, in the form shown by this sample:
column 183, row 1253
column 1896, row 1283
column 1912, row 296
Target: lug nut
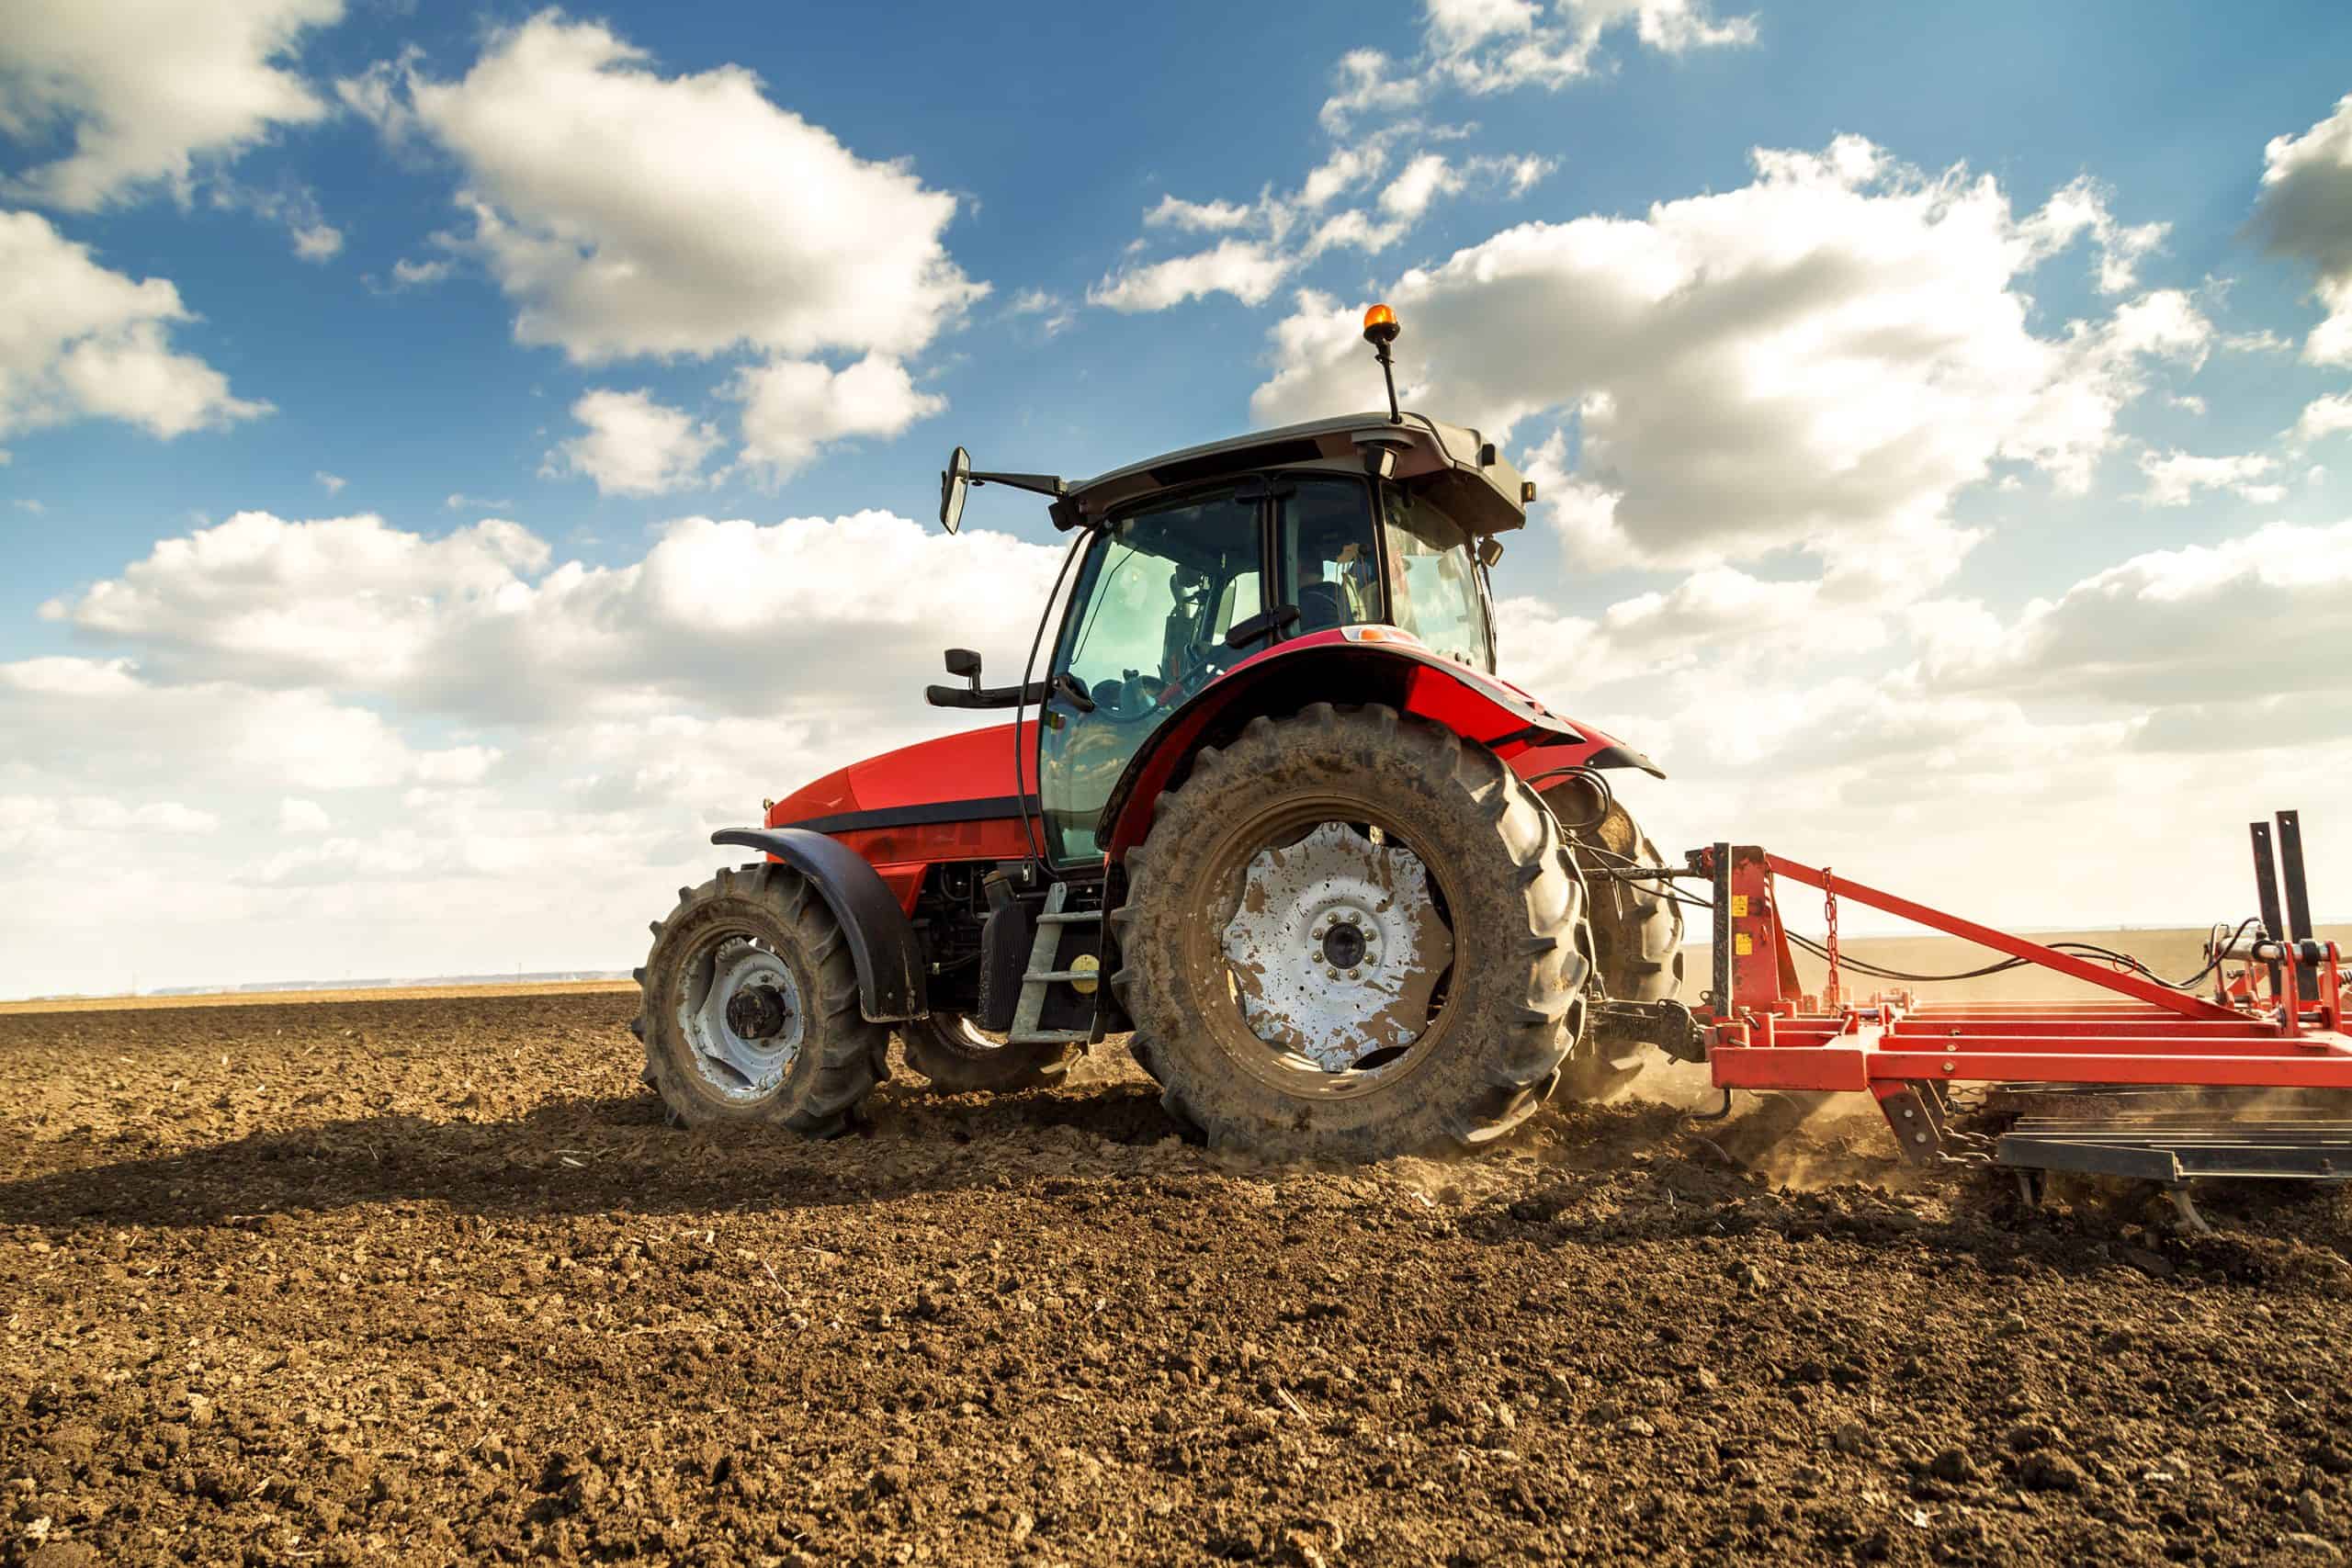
column 1355, row 974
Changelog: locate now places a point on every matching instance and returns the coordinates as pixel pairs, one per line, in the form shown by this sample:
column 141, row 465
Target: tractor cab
column 1188, row 565
column 1180, row 583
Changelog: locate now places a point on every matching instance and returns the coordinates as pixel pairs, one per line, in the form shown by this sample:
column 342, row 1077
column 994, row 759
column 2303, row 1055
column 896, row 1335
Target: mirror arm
column 984, row 696
column 1039, row 484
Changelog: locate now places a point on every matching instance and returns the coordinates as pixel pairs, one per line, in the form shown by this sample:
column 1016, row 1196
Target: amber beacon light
column 1380, row 330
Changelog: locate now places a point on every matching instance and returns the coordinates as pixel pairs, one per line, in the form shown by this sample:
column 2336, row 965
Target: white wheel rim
column 1288, row 947
column 740, row 1066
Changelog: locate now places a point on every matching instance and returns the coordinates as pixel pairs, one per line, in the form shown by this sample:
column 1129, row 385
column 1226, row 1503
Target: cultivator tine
column 1919, row 1130
column 2266, row 891
column 2290, row 864
column 1921, row 1113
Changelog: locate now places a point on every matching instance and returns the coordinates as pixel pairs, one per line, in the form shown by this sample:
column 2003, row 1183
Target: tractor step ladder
column 1042, row 973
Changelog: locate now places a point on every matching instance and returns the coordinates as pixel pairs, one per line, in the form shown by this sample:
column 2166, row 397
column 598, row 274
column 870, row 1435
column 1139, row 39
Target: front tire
column 959, row 1058
column 1335, row 818
column 749, row 1009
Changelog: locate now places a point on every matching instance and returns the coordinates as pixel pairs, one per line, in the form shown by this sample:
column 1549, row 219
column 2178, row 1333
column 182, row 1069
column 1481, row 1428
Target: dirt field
column 429, row 1281
column 269, row 999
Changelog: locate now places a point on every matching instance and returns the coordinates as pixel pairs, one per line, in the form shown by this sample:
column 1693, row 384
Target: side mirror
column 1490, row 550
column 952, row 482
column 964, row 662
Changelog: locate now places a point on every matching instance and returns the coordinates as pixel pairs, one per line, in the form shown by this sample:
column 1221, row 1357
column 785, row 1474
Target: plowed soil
column 430, row 1281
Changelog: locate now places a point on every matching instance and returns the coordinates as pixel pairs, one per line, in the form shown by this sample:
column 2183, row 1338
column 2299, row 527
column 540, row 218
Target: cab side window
column 1330, row 559
column 1434, row 590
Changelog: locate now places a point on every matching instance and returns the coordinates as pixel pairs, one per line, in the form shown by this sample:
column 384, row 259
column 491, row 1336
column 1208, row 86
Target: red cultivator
column 2272, row 1020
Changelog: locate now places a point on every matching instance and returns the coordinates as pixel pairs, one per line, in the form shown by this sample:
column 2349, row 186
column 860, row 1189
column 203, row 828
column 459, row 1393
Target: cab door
column 1144, row 630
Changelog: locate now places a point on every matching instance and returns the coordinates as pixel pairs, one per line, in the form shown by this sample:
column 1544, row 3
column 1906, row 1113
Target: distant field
column 2173, row 952
column 295, row 998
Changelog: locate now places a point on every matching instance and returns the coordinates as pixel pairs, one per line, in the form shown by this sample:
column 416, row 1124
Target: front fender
column 1329, row 667
column 891, row 983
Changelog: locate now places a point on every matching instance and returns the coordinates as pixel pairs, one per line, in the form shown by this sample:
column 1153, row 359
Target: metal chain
column 1830, row 911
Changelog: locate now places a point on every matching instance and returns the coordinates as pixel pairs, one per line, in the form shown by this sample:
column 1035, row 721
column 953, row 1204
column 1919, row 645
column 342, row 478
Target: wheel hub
column 1336, row 947
column 758, row 1012
column 1344, row 944
column 744, row 1016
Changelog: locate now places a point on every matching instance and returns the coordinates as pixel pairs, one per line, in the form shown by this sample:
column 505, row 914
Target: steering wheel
column 1210, row 663
column 1131, row 698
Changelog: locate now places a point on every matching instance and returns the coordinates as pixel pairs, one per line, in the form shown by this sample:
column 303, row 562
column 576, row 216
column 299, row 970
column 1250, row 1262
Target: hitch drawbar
column 2265, row 1014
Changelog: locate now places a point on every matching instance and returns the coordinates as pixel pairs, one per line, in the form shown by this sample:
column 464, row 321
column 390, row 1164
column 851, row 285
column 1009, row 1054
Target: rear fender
column 1546, row 762
column 891, row 986
column 1330, row 667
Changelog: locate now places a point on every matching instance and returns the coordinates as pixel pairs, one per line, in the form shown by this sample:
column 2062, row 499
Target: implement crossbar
column 2066, row 964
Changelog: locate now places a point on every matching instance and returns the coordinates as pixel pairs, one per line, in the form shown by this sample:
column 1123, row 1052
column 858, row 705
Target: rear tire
column 750, row 1008
column 1505, row 1011
column 1637, row 943
column 948, row 1049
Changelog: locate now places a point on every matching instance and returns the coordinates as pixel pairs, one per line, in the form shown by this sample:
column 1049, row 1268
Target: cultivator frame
column 2276, row 1023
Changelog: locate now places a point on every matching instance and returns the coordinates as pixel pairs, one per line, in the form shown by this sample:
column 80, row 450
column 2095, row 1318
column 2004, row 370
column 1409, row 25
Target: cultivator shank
column 2268, row 1015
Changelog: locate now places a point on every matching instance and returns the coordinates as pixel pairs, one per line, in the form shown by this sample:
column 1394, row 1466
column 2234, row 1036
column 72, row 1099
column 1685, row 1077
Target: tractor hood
column 955, row 778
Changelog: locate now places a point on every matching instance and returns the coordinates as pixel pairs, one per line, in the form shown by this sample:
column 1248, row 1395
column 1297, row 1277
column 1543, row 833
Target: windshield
column 1433, row 589
column 1157, row 594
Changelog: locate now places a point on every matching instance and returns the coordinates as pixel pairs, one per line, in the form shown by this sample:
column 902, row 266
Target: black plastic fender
column 891, row 985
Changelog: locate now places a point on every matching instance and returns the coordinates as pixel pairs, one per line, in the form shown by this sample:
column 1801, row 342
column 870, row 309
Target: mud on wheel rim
column 1335, row 944
column 743, row 1013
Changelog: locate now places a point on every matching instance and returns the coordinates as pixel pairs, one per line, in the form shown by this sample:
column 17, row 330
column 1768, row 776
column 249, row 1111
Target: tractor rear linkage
column 2277, row 1024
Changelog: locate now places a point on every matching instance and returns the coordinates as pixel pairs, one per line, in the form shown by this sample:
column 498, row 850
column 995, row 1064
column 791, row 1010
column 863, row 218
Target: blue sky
column 1924, row 404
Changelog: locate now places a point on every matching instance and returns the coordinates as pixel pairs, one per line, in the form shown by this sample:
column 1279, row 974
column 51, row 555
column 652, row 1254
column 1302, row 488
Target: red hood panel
column 973, row 764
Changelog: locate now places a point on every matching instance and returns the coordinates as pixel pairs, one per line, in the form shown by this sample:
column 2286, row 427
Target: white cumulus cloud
column 2175, row 478
column 2330, row 415
column 629, row 212
column 2305, row 212
column 633, row 445
column 151, row 92
column 1176, row 212
column 1493, row 46
column 483, row 624
column 2182, row 628
column 793, row 408
column 1247, row 269
column 509, row 750
column 1822, row 358
column 79, row 340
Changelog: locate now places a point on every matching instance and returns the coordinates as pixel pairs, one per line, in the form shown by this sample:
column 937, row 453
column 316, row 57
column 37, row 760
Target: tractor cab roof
column 1461, row 472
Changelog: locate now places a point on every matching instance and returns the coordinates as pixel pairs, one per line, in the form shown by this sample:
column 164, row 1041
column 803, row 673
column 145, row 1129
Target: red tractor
column 1264, row 806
